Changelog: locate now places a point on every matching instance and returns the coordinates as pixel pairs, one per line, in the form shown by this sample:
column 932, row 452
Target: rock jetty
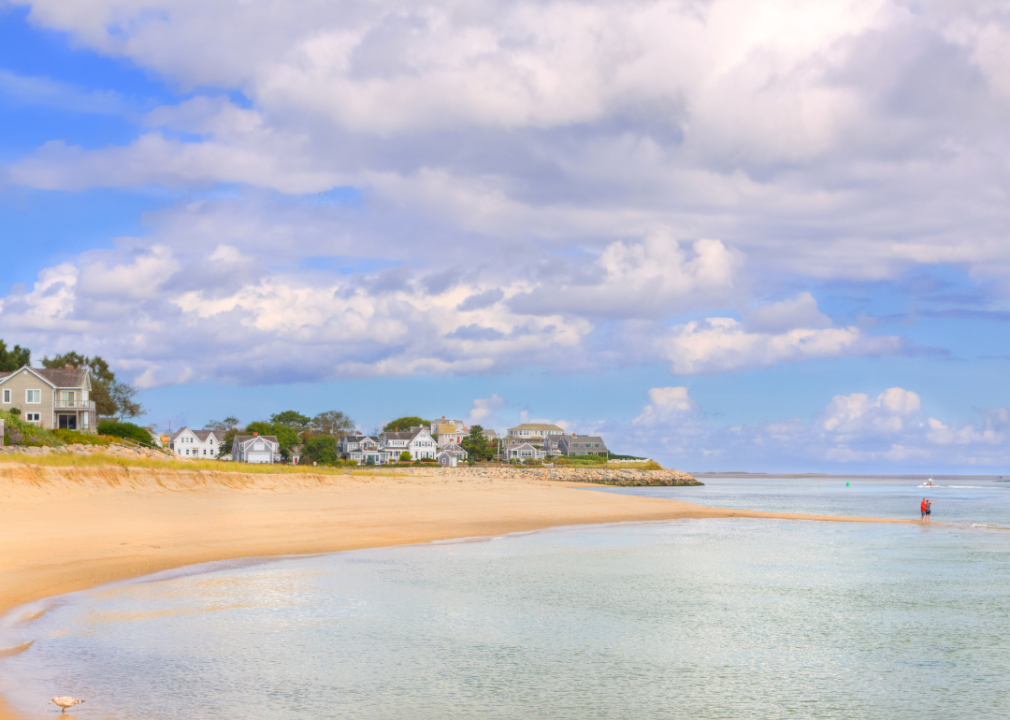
column 624, row 477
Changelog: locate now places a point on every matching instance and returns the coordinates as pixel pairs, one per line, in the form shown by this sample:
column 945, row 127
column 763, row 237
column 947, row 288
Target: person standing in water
column 922, row 510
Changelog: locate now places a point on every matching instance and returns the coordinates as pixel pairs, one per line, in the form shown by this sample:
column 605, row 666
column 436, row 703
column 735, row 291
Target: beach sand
column 67, row 529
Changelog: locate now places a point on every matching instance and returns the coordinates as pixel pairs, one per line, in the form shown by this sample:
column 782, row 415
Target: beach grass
column 58, row 460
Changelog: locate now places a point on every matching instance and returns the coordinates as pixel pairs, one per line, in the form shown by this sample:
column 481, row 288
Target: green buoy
column 846, row 484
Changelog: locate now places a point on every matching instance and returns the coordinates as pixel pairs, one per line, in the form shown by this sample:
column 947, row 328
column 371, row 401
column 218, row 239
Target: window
column 33, row 417
column 7, row 397
column 33, row 396
column 67, row 398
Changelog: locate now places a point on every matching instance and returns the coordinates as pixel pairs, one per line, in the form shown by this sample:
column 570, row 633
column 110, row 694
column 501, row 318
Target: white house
column 418, row 442
column 256, row 449
column 365, row 449
column 204, row 444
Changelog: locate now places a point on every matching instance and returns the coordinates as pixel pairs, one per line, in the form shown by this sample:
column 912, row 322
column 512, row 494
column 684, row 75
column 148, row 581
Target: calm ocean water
column 683, row 619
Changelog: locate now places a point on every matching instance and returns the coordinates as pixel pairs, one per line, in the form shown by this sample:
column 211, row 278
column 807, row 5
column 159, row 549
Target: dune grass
column 102, row 460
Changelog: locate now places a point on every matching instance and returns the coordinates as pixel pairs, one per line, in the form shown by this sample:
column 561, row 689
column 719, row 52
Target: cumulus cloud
column 835, row 140
column 856, row 432
column 718, row 345
column 485, row 411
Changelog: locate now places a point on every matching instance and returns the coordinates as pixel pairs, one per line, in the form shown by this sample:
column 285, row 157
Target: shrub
column 405, row 456
column 76, row 437
column 25, row 433
column 125, row 430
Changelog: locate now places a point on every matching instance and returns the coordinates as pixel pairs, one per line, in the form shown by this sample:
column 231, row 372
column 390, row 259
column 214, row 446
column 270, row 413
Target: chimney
column 255, row 434
column 443, row 417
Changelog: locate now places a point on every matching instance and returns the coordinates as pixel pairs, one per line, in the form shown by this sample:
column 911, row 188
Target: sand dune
column 66, row 529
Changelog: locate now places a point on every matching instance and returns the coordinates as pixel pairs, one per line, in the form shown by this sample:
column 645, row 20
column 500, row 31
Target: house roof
column 445, row 428
column 201, row 435
column 489, row 433
column 536, row 426
column 404, row 435
column 65, row 377
column 586, row 438
column 520, row 446
column 247, row 438
column 57, row 377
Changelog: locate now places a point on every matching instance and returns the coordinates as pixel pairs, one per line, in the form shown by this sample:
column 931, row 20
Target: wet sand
column 68, row 529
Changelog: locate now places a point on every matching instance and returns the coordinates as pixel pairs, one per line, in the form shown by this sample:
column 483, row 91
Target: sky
column 768, row 236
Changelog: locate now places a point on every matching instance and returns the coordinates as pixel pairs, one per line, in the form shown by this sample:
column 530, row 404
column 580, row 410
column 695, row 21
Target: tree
column 405, row 456
column 15, row 358
column 404, row 424
column 476, row 444
column 112, row 397
column 292, row 418
column 322, row 449
column 332, row 422
column 287, row 438
column 229, row 423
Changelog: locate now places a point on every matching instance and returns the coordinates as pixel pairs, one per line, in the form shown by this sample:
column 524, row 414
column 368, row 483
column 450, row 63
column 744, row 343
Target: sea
column 726, row 618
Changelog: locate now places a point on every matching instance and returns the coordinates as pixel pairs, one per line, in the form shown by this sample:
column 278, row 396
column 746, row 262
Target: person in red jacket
column 923, row 509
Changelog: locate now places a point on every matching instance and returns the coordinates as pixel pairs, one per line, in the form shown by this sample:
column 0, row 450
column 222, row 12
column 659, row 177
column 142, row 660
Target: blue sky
column 728, row 235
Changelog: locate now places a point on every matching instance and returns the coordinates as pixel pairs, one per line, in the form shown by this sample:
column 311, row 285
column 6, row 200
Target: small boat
column 928, row 483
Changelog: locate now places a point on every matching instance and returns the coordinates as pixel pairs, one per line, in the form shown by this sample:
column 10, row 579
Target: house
column 455, row 450
column 552, row 446
column 447, row 459
column 256, row 448
column 523, row 452
column 585, row 445
column 491, row 435
column 418, row 442
column 458, row 424
column 533, row 433
column 365, row 449
column 449, row 433
column 197, row 443
column 53, row 398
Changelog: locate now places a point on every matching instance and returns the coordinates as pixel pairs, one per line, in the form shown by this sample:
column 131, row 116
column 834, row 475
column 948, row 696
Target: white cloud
column 665, row 405
column 882, row 433
column 724, row 345
column 484, row 411
column 841, row 139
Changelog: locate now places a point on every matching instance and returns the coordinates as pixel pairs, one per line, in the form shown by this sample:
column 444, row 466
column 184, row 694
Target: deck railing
column 75, row 404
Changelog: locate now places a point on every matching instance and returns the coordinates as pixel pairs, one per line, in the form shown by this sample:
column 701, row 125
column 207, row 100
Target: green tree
column 476, row 444
column 405, row 456
column 112, row 397
column 15, row 358
column 321, row 449
column 286, row 436
column 332, row 422
column 229, row 423
column 293, row 419
column 404, row 424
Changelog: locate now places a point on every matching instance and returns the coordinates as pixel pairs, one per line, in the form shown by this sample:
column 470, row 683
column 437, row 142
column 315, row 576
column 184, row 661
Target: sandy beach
column 67, row 529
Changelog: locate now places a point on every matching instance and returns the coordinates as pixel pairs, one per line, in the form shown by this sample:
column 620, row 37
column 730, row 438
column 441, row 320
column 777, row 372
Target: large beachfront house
column 388, row 446
column 533, row 433
column 256, row 448
column 55, row 398
column 584, row 445
column 197, row 443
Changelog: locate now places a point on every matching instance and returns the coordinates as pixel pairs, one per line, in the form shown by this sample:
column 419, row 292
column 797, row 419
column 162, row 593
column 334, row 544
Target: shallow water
column 693, row 619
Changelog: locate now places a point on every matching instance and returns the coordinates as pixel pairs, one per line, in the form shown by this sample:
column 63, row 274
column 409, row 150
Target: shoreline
column 71, row 529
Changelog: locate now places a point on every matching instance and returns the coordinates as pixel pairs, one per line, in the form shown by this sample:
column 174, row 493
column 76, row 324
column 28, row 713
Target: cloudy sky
column 726, row 234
